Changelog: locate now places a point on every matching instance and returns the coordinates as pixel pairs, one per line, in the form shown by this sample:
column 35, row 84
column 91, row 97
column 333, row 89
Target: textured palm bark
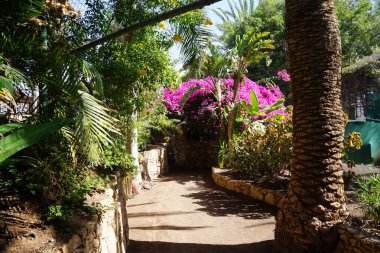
column 315, row 202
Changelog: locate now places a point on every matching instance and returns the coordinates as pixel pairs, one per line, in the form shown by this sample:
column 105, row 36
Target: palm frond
column 93, row 125
column 196, row 39
column 232, row 10
column 222, row 15
column 92, row 76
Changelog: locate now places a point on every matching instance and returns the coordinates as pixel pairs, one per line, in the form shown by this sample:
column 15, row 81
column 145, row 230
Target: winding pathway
column 186, row 213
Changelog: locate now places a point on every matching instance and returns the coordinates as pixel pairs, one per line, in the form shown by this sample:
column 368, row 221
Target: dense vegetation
column 88, row 109
column 93, row 109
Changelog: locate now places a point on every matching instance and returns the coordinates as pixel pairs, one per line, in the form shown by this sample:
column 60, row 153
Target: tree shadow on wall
column 169, row 247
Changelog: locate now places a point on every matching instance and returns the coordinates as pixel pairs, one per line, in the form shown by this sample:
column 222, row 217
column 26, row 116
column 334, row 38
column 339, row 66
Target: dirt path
column 188, row 214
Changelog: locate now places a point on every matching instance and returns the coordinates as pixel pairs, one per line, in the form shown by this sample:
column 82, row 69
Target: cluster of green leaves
column 368, row 194
column 61, row 186
column 359, row 22
column 117, row 159
column 136, row 66
column 154, row 125
column 71, row 94
column 267, row 17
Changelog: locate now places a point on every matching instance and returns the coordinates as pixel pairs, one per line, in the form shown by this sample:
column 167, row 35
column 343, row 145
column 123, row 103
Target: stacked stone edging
column 271, row 197
column 356, row 240
column 352, row 239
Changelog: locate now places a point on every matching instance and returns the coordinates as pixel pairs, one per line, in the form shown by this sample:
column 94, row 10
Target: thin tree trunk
column 315, row 202
column 132, row 148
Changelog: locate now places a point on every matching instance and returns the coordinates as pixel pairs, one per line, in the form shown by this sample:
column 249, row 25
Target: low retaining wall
column 356, row 240
column 106, row 232
column 271, row 197
column 352, row 239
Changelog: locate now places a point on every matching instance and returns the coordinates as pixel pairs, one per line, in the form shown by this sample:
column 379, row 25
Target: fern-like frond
column 196, row 38
column 92, row 127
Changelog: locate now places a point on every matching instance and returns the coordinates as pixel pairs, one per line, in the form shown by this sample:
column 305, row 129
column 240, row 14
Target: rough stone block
column 222, row 181
column 246, row 188
column 231, row 185
column 258, row 193
column 270, row 199
column 238, row 186
column 74, row 243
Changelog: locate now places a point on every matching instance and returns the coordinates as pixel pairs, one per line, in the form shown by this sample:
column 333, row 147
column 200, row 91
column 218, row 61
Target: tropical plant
column 368, row 194
column 263, row 149
column 267, row 16
column 250, row 49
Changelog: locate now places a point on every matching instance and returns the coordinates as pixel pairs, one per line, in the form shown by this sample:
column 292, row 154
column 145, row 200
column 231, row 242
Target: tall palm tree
column 315, row 202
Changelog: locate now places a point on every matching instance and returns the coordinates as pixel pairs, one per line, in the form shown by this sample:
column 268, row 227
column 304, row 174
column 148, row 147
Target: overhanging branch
column 150, row 21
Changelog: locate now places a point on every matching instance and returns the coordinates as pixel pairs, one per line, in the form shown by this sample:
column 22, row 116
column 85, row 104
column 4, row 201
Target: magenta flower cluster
column 200, row 113
column 283, row 75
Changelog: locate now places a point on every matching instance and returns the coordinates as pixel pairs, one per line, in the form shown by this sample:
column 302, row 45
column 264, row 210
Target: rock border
column 351, row 239
column 356, row 240
column 271, row 197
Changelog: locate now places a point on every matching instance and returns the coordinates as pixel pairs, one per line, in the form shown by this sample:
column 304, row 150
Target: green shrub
column 368, row 195
column 117, row 159
column 263, row 149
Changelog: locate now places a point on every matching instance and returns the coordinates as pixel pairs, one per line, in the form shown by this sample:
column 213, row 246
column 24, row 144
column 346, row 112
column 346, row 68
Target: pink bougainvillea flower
column 284, row 75
column 198, row 109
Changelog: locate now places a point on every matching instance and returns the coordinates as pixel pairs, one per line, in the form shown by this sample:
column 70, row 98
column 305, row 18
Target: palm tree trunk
column 315, row 202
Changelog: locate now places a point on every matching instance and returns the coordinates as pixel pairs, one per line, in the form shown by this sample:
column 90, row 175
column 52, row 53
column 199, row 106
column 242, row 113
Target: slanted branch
column 150, row 21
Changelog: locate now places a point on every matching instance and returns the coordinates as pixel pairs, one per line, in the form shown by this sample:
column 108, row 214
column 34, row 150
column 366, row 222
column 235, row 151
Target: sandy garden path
column 186, row 213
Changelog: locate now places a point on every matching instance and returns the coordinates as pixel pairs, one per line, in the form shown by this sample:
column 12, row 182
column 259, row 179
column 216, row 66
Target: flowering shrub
column 195, row 101
column 263, row 149
column 284, row 75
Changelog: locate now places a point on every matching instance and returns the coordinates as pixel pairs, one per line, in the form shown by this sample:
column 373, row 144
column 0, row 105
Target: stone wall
column 352, row 239
column 106, row 232
column 271, row 197
column 154, row 161
column 356, row 240
column 193, row 154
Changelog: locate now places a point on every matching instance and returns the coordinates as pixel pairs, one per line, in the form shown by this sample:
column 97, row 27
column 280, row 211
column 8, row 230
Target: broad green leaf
column 274, row 106
column 28, row 136
column 5, row 83
column 254, row 101
column 10, row 127
column 248, row 108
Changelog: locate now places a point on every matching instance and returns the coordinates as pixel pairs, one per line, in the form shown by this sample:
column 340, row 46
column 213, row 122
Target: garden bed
column 223, row 178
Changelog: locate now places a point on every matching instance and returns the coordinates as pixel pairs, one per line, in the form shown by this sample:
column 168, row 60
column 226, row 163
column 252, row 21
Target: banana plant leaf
column 28, row 135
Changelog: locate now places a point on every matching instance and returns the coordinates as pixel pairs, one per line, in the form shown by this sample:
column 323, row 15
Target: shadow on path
column 217, row 201
column 164, row 227
column 162, row 247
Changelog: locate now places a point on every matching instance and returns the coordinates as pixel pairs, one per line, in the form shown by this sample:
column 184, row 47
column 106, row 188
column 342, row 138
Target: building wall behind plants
column 193, row 154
